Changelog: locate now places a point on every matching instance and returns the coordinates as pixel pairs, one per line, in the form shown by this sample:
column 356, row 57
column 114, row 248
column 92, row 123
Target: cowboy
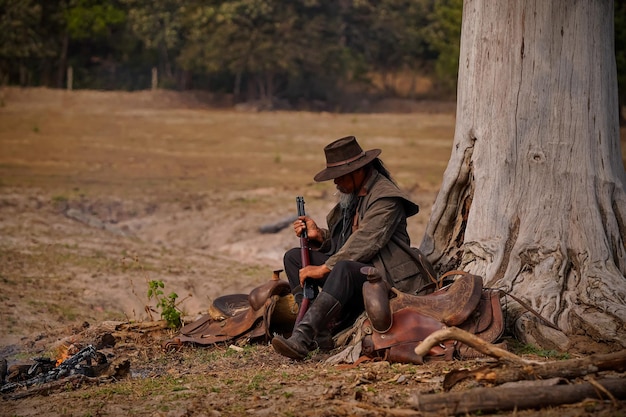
column 366, row 228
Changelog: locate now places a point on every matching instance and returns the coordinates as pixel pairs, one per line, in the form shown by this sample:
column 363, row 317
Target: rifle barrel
column 309, row 290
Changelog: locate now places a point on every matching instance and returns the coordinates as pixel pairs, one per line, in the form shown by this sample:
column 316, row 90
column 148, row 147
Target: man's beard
column 346, row 200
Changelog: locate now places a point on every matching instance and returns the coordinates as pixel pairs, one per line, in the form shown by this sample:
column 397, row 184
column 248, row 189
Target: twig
column 602, row 389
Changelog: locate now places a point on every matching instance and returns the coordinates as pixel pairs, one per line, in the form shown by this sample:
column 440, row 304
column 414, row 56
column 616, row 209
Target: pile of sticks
column 517, row 383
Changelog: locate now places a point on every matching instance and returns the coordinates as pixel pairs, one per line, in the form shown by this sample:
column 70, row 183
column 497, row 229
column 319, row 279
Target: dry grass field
column 101, row 192
column 165, row 181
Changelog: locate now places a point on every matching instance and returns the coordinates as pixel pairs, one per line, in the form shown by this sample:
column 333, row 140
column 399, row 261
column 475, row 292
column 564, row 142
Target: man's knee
column 292, row 256
column 345, row 277
column 348, row 268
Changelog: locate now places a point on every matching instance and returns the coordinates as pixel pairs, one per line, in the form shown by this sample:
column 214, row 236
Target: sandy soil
column 102, row 192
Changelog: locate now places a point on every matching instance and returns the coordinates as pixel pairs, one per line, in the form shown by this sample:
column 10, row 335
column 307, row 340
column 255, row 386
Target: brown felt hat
column 344, row 156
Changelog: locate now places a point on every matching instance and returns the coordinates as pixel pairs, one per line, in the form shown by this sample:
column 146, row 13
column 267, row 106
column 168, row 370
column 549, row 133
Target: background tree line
column 311, row 50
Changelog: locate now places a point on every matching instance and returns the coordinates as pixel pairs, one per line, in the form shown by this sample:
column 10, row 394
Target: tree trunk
column 534, row 195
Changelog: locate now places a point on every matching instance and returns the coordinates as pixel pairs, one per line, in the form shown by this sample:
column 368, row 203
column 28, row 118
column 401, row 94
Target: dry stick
column 454, row 333
column 489, row 400
column 605, row 391
column 143, row 327
column 569, row 369
column 49, row 387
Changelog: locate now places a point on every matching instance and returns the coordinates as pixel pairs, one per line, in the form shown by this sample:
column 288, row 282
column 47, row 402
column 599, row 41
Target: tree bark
column 534, row 195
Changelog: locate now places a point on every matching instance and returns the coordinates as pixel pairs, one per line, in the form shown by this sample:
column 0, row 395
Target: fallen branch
column 523, row 369
column 489, row 400
column 473, row 341
column 572, row 368
column 144, row 326
column 277, row 226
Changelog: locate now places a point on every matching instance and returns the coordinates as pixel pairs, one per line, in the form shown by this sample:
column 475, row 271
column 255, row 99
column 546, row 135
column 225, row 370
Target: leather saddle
column 268, row 308
column 397, row 322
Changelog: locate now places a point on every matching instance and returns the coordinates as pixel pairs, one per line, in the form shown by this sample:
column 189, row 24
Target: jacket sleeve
column 374, row 232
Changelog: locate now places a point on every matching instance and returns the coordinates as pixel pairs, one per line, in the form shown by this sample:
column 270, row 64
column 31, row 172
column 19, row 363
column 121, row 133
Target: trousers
column 344, row 282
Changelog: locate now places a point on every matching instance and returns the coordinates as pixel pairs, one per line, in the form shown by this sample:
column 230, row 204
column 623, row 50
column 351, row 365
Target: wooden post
column 155, row 79
column 70, row 78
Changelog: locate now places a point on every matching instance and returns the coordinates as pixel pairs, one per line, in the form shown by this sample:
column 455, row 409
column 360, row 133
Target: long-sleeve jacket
column 381, row 214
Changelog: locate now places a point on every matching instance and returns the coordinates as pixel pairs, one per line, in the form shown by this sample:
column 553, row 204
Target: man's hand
column 313, row 272
column 313, row 232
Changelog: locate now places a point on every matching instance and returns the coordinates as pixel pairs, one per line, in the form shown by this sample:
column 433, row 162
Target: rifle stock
column 309, row 290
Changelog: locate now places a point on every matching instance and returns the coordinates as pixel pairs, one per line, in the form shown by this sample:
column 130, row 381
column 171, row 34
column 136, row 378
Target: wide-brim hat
column 344, row 156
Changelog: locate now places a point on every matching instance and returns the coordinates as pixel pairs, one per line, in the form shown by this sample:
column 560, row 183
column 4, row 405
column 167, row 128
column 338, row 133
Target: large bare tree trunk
column 534, row 196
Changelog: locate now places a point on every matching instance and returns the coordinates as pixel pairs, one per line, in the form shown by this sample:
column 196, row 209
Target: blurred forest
column 327, row 54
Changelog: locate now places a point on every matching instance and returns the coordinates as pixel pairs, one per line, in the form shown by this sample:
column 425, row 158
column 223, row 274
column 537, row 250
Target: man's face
column 345, row 184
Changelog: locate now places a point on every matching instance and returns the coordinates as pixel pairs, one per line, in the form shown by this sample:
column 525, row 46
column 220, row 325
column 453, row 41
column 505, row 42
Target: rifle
column 310, row 289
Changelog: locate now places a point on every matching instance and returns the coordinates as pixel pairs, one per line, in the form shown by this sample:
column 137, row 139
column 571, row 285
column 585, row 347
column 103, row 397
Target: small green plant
column 312, row 353
column 169, row 312
column 528, row 349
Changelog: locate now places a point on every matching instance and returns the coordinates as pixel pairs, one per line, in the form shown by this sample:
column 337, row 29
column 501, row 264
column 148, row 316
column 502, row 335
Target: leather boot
column 324, row 340
column 302, row 341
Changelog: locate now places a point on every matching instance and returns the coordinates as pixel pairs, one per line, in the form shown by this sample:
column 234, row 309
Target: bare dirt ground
column 102, row 192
